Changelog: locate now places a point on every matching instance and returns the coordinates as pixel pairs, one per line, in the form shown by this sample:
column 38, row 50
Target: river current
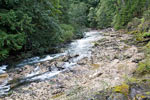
column 81, row 47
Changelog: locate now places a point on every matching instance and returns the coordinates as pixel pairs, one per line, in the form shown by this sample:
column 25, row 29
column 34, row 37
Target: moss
column 146, row 34
column 123, row 89
column 133, row 32
column 147, row 93
column 143, row 67
column 139, row 37
column 140, row 97
column 57, row 95
column 147, row 49
column 10, row 93
column 132, row 80
column 96, row 44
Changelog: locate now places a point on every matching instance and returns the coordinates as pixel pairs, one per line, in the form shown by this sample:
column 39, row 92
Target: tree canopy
column 39, row 26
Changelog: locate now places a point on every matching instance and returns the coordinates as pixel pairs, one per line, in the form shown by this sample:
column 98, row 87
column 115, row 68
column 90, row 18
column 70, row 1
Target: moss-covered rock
column 123, row 89
column 144, row 67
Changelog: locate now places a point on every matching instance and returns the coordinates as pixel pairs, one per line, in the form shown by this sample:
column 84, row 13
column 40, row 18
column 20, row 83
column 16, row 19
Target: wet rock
column 3, row 77
column 63, row 58
column 73, row 55
column 46, row 63
column 83, row 61
column 56, row 66
column 60, row 65
column 53, row 68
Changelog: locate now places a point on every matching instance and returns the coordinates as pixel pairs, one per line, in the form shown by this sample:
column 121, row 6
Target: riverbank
column 112, row 60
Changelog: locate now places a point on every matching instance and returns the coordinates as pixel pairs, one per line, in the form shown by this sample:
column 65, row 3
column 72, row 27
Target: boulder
column 3, row 77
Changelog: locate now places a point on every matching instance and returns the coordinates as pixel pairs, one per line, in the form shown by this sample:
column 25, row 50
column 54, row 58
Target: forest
column 74, row 49
column 36, row 27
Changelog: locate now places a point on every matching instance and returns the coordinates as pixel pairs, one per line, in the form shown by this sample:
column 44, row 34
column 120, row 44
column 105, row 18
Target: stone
column 117, row 96
column 137, row 57
column 126, row 67
column 3, row 77
column 57, row 91
column 130, row 52
column 97, row 74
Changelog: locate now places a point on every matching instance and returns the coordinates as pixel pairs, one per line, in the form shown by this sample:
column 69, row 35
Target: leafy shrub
column 68, row 32
column 146, row 34
column 133, row 24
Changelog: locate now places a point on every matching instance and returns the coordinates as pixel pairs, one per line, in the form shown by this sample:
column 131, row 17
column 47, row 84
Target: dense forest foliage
column 34, row 27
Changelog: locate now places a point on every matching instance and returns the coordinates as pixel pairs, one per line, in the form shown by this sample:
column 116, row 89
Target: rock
column 83, row 61
column 137, row 57
column 101, row 95
column 46, row 63
column 57, row 91
column 117, row 96
column 59, row 64
column 130, row 52
column 74, row 55
column 63, row 58
column 126, row 67
column 97, row 74
column 38, row 64
column 53, row 68
column 3, row 77
column 114, row 62
column 140, row 91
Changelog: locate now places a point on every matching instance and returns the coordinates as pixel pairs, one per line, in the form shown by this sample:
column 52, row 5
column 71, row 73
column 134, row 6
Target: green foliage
column 128, row 10
column 13, row 28
column 68, row 32
column 92, row 17
column 144, row 67
column 105, row 13
column 77, row 15
column 147, row 34
column 28, row 25
column 39, row 26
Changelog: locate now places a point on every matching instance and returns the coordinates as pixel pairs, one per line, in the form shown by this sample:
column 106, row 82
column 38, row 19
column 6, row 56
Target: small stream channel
column 80, row 47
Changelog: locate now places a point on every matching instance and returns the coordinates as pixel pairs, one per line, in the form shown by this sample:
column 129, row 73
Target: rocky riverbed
column 111, row 60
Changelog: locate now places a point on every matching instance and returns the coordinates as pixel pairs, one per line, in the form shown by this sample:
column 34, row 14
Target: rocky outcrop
column 112, row 60
column 134, row 91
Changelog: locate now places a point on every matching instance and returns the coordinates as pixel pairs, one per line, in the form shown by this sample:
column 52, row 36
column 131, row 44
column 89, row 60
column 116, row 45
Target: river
column 80, row 47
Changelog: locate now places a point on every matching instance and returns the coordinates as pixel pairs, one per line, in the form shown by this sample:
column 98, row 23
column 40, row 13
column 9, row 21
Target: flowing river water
column 81, row 47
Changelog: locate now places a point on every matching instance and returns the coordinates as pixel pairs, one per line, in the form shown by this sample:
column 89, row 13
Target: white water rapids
column 81, row 47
